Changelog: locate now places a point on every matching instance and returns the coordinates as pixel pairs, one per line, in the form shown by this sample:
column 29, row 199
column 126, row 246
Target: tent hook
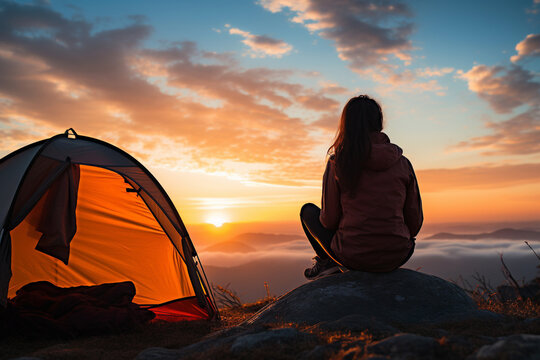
column 73, row 133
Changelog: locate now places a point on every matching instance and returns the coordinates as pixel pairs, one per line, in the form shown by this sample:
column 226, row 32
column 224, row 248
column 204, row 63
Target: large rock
column 274, row 337
column 233, row 342
column 358, row 323
column 399, row 297
column 406, row 346
column 514, row 347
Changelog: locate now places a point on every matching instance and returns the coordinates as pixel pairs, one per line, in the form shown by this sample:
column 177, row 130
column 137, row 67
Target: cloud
column 533, row 9
column 178, row 105
column 411, row 81
column 506, row 89
column 434, row 72
column 406, row 81
column 373, row 37
column 332, row 88
column 520, row 135
column 328, row 122
column 528, row 47
column 478, row 177
column 262, row 45
column 503, row 88
column 317, row 101
column 365, row 33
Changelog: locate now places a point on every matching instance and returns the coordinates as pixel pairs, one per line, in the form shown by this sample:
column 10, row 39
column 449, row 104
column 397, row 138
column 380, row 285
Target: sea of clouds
column 281, row 265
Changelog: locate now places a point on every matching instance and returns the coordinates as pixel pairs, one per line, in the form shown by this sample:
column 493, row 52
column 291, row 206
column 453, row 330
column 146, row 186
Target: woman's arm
column 331, row 205
column 413, row 214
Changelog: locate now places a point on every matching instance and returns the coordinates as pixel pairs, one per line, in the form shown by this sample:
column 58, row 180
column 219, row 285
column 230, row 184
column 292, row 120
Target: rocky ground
column 401, row 315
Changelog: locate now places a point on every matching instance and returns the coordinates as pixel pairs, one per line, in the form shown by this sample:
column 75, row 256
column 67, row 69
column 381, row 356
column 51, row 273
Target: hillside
column 231, row 246
column 503, row 234
column 248, row 279
column 250, row 242
column 264, row 239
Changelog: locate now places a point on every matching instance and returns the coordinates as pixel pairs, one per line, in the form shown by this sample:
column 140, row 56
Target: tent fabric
column 42, row 175
column 5, row 265
column 14, row 168
column 112, row 225
column 180, row 310
column 86, row 152
column 92, row 153
column 153, row 198
column 124, row 227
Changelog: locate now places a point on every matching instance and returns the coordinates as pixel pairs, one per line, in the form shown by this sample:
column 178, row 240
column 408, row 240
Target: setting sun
column 216, row 220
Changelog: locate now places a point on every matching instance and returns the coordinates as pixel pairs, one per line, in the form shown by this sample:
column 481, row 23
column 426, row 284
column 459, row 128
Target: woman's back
column 371, row 207
column 371, row 221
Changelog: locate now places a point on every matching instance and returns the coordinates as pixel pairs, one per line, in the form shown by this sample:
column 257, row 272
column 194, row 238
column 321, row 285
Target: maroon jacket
column 375, row 226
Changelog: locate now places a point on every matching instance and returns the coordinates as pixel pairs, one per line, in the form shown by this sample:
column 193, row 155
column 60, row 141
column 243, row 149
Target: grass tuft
column 519, row 308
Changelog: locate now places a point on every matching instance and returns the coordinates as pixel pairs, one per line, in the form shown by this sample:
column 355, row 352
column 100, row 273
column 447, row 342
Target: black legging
column 321, row 237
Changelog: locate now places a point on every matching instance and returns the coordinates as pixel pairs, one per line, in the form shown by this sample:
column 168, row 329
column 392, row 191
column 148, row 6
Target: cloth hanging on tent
column 56, row 219
column 54, row 215
column 5, row 266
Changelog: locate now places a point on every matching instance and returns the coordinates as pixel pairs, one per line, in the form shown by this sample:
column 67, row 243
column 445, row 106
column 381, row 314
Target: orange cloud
column 528, row 47
column 318, row 102
column 478, row 177
column 434, row 72
column 481, row 193
column 405, row 81
column 504, row 89
column 179, row 106
column 514, row 204
column 262, row 45
column 331, row 88
column 518, row 135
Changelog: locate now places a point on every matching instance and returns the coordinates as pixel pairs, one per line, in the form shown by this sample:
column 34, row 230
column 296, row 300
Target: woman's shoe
column 321, row 268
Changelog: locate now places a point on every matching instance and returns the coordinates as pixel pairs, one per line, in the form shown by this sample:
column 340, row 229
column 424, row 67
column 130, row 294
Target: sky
column 232, row 105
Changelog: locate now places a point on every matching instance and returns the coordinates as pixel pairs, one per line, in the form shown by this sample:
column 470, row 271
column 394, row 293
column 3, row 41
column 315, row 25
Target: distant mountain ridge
column 507, row 233
column 230, row 247
column 250, row 242
column 264, row 238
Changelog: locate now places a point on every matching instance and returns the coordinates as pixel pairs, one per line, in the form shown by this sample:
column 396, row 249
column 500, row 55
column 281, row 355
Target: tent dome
column 75, row 210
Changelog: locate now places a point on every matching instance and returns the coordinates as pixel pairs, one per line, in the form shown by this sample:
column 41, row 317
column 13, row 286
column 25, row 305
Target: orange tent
column 78, row 211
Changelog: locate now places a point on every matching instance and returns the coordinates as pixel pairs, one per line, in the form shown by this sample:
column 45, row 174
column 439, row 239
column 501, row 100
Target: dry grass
column 233, row 316
column 486, row 297
column 520, row 308
column 226, row 298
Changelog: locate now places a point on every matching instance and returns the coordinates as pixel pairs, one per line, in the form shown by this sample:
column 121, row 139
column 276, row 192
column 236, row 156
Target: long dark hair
column 361, row 116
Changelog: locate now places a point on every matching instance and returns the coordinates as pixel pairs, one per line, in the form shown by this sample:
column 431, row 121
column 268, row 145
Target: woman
column 371, row 206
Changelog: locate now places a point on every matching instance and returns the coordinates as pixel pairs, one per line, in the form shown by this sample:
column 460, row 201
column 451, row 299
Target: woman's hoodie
column 375, row 226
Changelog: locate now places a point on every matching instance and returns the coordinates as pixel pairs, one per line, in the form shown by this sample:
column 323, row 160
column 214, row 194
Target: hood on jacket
column 384, row 154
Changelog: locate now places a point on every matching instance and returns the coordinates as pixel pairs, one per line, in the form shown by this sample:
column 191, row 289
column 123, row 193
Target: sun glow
column 216, row 220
